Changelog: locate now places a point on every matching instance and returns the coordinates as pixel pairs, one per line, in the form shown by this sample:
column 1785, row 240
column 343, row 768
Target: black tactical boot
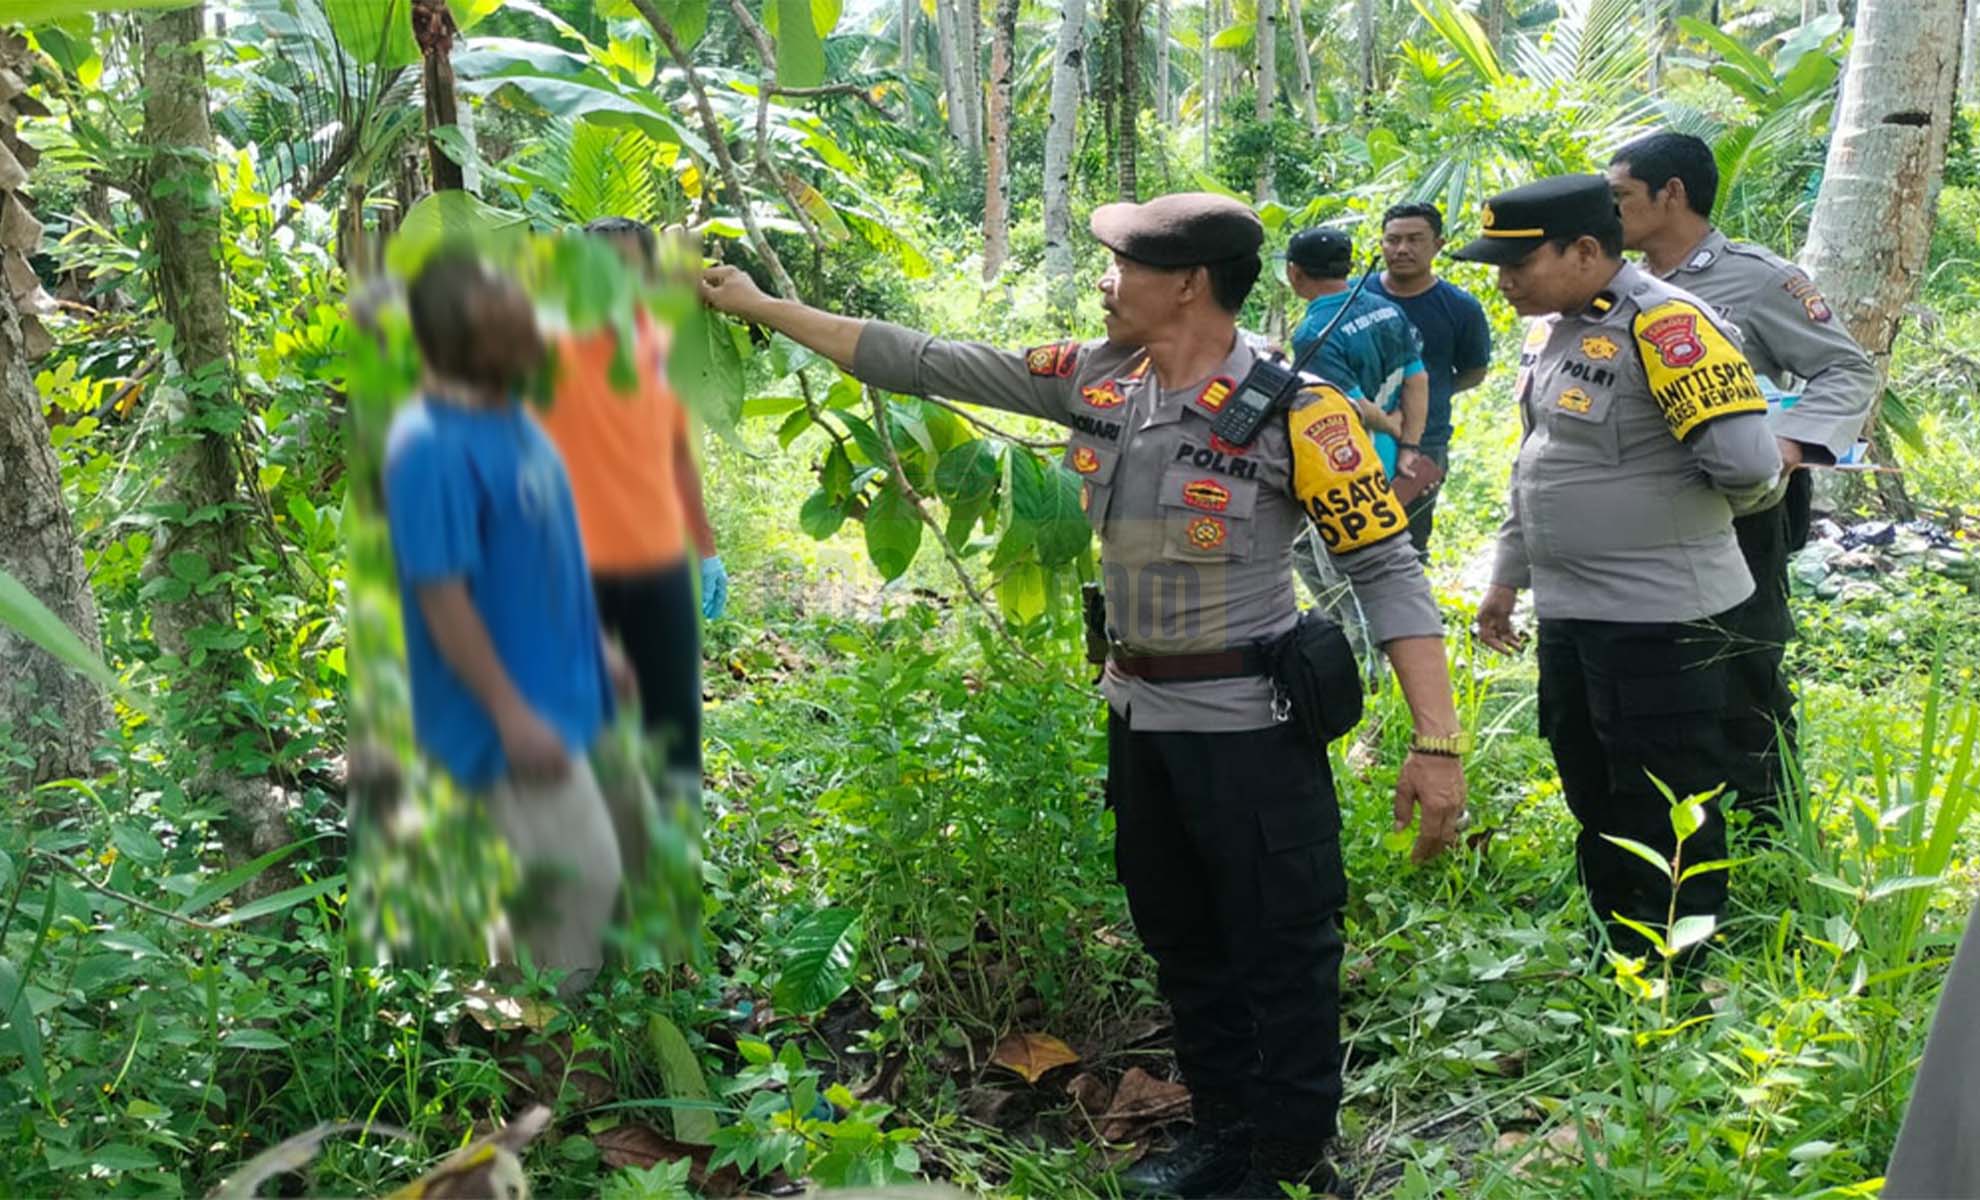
column 1208, row 1161
column 1276, row 1161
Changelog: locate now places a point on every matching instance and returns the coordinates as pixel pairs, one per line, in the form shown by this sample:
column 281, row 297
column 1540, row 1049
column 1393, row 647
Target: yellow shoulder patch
column 1337, row 476
column 1696, row 375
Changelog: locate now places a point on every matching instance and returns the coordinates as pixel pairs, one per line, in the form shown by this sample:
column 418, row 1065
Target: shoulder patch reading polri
column 1338, row 477
column 1695, row 373
column 1056, row 360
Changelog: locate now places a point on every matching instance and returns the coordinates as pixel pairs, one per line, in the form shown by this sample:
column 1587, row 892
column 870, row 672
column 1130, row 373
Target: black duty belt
column 1190, row 668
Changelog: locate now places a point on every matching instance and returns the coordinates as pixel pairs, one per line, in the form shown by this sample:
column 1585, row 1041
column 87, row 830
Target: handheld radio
column 1268, row 384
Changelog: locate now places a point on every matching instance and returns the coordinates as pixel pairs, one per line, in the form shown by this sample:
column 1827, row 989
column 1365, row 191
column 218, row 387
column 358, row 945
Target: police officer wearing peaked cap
column 1665, row 184
column 1643, row 428
column 1227, row 827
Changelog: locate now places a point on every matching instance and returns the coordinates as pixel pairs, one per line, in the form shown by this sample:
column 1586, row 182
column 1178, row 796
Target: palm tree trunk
column 909, row 10
column 1266, row 39
column 1871, row 232
column 433, row 28
column 969, row 60
column 1207, row 85
column 952, row 87
column 1164, row 107
column 1969, row 56
column 1130, row 95
column 997, row 143
column 1061, row 135
column 1364, row 23
column 37, row 537
column 196, row 626
column 1303, row 59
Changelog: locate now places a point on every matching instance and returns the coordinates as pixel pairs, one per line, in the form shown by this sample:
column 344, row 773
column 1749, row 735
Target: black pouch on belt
column 1313, row 668
column 1095, row 610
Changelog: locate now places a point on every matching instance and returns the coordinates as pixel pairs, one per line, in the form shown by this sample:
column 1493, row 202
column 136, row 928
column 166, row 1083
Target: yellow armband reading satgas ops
column 1696, row 374
column 1337, row 476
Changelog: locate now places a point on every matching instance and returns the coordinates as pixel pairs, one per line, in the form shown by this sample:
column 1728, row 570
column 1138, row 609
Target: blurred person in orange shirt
column 631, row 461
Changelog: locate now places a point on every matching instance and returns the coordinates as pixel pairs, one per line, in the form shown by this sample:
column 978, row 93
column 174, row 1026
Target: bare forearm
column 464, row 645
column 1415, row 408
column 1426, row 683
column 829, row 334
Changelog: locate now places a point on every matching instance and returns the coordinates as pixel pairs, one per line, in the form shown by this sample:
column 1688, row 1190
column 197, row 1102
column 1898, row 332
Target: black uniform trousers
column 1621, row 702
column 1761, row 720
column 1229, row 847
column 655, row 618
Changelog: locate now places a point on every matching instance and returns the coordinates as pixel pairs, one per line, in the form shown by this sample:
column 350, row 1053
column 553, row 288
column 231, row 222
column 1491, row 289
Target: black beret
column 1187, row 229
column 1514, row 224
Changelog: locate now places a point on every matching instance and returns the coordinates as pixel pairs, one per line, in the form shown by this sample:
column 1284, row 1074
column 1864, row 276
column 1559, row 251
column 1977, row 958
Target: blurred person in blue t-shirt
column 1456, row 339
column 512, row 683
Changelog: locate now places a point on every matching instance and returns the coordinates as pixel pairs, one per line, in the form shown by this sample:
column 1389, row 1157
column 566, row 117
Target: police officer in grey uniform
column 1227, row 827
column 1664, row 185
column 1644, row 428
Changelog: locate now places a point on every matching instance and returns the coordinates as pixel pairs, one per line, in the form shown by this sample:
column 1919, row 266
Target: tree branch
column 992, row 430
column 882, row 426
column 726, row 163
column 766, row 84
column 112, row 894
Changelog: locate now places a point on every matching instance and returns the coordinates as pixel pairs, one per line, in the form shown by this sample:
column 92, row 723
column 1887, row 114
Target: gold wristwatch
column 1455, row 745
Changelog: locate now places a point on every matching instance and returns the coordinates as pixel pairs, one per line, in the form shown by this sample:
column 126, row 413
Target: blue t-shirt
column 1369, row 354
column 480, row 496
column 1455, row 338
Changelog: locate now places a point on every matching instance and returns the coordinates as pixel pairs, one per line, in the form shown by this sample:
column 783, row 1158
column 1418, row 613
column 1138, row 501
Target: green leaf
column 706, row 370
column 29, row 617
column 800, row 53
column 282, row 901
column 819, row 954
column 1022, row 594
column 445, row 217
column 221, row 885
column 1234, row 37
column 469, row 13
column 1048, row 498
column 190, row 566
column 21, row 1024
column 1643, row 852
column 376, row 32
column 1905, row 883
column 30, row 13
column 1654, row 937
column 1691, row 930
column 825, row 16
column 1687, row 818
column 681, row 1072
column 1717, row 864
column 968, row 473
column 688, row 17
column 254, row 1039
column 122, row 1156
column 821, row 516
column 893, row 532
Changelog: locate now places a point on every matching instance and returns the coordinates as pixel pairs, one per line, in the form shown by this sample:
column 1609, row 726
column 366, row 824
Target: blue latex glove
column 714, row 587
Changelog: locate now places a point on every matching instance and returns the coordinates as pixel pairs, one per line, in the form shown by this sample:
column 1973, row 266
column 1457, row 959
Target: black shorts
column 653, row 615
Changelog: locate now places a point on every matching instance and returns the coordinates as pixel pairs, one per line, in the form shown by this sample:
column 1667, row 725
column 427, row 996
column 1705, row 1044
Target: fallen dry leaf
column 496, row 1012
column 1140, row 1102
column 1561, row 1146
column 642, row 1146
column 1090, row 1093
column 1031, row 1055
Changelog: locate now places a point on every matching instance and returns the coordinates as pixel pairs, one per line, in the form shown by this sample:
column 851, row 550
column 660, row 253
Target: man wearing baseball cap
column 1227, row 830
column 1644, row 427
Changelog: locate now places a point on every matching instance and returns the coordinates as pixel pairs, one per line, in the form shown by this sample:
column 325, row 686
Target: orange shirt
column 621, row 449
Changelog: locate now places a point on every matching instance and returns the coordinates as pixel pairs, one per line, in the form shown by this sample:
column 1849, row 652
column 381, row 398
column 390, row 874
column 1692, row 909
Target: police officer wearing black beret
column 1226, row 823
column 1644, row 427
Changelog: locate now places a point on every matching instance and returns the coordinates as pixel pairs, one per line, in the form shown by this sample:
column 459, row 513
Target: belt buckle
column 1281, row 704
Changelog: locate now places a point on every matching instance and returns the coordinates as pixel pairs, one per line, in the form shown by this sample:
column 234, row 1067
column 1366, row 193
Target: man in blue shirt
column 508, row 669
column 1456, row 339
column 1374, row 353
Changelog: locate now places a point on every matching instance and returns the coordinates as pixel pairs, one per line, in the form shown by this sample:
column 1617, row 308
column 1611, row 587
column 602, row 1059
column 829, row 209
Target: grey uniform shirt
column 1195, row 535
column 1789, row 334
column 1643, row 426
